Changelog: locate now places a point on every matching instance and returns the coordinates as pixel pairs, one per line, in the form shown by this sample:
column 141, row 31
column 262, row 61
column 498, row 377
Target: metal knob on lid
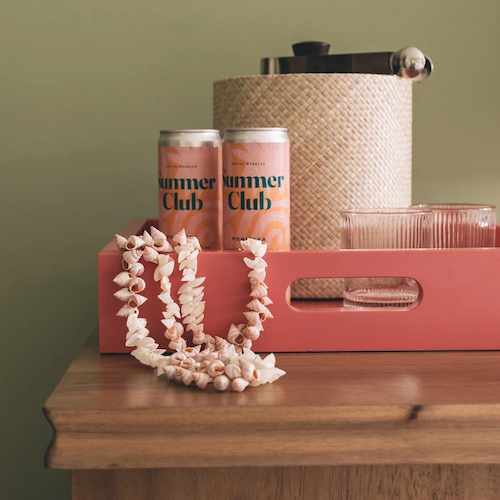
column 313, row 57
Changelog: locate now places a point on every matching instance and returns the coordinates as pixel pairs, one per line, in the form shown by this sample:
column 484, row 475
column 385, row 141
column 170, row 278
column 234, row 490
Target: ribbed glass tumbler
column 458, row 225
column 384, row 229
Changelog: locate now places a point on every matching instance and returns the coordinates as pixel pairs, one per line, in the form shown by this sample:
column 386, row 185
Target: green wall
column 85, row 87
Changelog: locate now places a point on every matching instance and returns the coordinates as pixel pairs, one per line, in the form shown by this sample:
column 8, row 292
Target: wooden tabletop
column 109, row 411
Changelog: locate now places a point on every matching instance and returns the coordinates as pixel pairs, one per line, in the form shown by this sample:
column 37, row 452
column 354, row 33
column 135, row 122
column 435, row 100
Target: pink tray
column 459, row 307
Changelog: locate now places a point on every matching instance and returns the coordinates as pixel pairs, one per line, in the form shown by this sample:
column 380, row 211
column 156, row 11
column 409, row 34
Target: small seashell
column 198, row 338
column 204, row 364
column 132, row 256
column 125, row 265
column 239, row 384
column 215, row 368
column 257, row 380
column 171, row 333
column 165, row 284
column 146, row 237
column 221, row 383
column 146, row 342
column 135, row 242
column 126, row 310
column 161, row 365
column 187, row 377
column 254, row 283
column 179, row 328
column 232, row 371
column 122, row 279
column 247, row 344
column 165, row 267
column 192, row 284
column 121, row 242
column 134, row 338
column 223, row 355
column 220, row 343
column 166, row 298
column 192, row 351
column 263, row 311
column 178, row 344
column 266, row 301
column 188, row 363
column 252, row 317
column 169, row 371
column 136, row 300
column 137, row 285
column 212, row 356
column 259, row 291
column 183, row 255
column 195, row 322
column 123, row 294
column 257, row 248
column 179, row 373
column 236, row 339
column 257, row 275
column 177, row 357
column 189, row 263
column 255, row 305
column 201, row 379
column 135, row 323
column 234, row 335
column 251, row 332
column 257, row 264
column 185, row 298
column 136, row 269
column 150, row 255
column 162, row 246
column 193, row 240
column 156, row 234
column 173, row 309
column 248, row 371
column 180, row 237
column 210, row 341
column 254, row 246
column 186, row 309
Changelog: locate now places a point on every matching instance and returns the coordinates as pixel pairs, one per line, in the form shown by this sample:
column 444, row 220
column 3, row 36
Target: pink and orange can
column 190, row 185
column 256, row 187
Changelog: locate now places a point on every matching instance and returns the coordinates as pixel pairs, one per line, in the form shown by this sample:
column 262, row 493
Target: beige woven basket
column 350, row 138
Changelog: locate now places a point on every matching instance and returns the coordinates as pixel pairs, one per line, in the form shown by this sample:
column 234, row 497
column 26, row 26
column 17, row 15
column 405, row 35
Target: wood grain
column 421, row 482
column 331, row 409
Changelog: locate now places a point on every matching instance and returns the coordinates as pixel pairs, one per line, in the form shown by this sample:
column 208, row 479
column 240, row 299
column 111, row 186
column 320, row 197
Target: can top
column 249, row 135
column 190, row 138
column 190, row 130
column 257, row 129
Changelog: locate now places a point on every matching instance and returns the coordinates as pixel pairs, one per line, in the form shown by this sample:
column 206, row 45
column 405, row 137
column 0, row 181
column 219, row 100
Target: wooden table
column 350, row 426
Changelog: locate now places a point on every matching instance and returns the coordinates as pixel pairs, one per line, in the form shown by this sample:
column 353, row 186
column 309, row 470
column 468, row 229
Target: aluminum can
column 190, row 185
column 256, row 187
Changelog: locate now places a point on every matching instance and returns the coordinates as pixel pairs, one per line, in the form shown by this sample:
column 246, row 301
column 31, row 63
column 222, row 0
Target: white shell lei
column 228, row 364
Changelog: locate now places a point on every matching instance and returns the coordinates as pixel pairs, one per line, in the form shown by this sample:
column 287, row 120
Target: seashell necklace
column 224, row 363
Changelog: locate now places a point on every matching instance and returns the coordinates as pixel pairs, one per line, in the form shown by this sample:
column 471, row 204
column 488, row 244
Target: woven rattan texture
column 350, row 138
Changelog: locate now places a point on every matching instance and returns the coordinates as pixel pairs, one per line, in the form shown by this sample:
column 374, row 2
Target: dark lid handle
column 311, row 48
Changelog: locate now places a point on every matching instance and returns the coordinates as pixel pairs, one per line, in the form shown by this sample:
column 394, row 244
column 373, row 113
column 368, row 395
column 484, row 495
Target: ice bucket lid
column 313, row 57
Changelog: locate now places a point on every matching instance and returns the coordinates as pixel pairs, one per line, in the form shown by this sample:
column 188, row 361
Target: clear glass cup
column 385, row 228
column 462, row 225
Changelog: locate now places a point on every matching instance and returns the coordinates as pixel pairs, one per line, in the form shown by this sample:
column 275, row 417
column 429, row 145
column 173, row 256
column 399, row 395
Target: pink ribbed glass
column 390, row 228
column 462, row 225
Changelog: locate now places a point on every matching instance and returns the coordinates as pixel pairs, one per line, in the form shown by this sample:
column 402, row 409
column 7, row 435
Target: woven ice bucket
column 351, row 147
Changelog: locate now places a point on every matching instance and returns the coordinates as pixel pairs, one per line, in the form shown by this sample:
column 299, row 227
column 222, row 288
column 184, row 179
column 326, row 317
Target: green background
column 85, row 87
